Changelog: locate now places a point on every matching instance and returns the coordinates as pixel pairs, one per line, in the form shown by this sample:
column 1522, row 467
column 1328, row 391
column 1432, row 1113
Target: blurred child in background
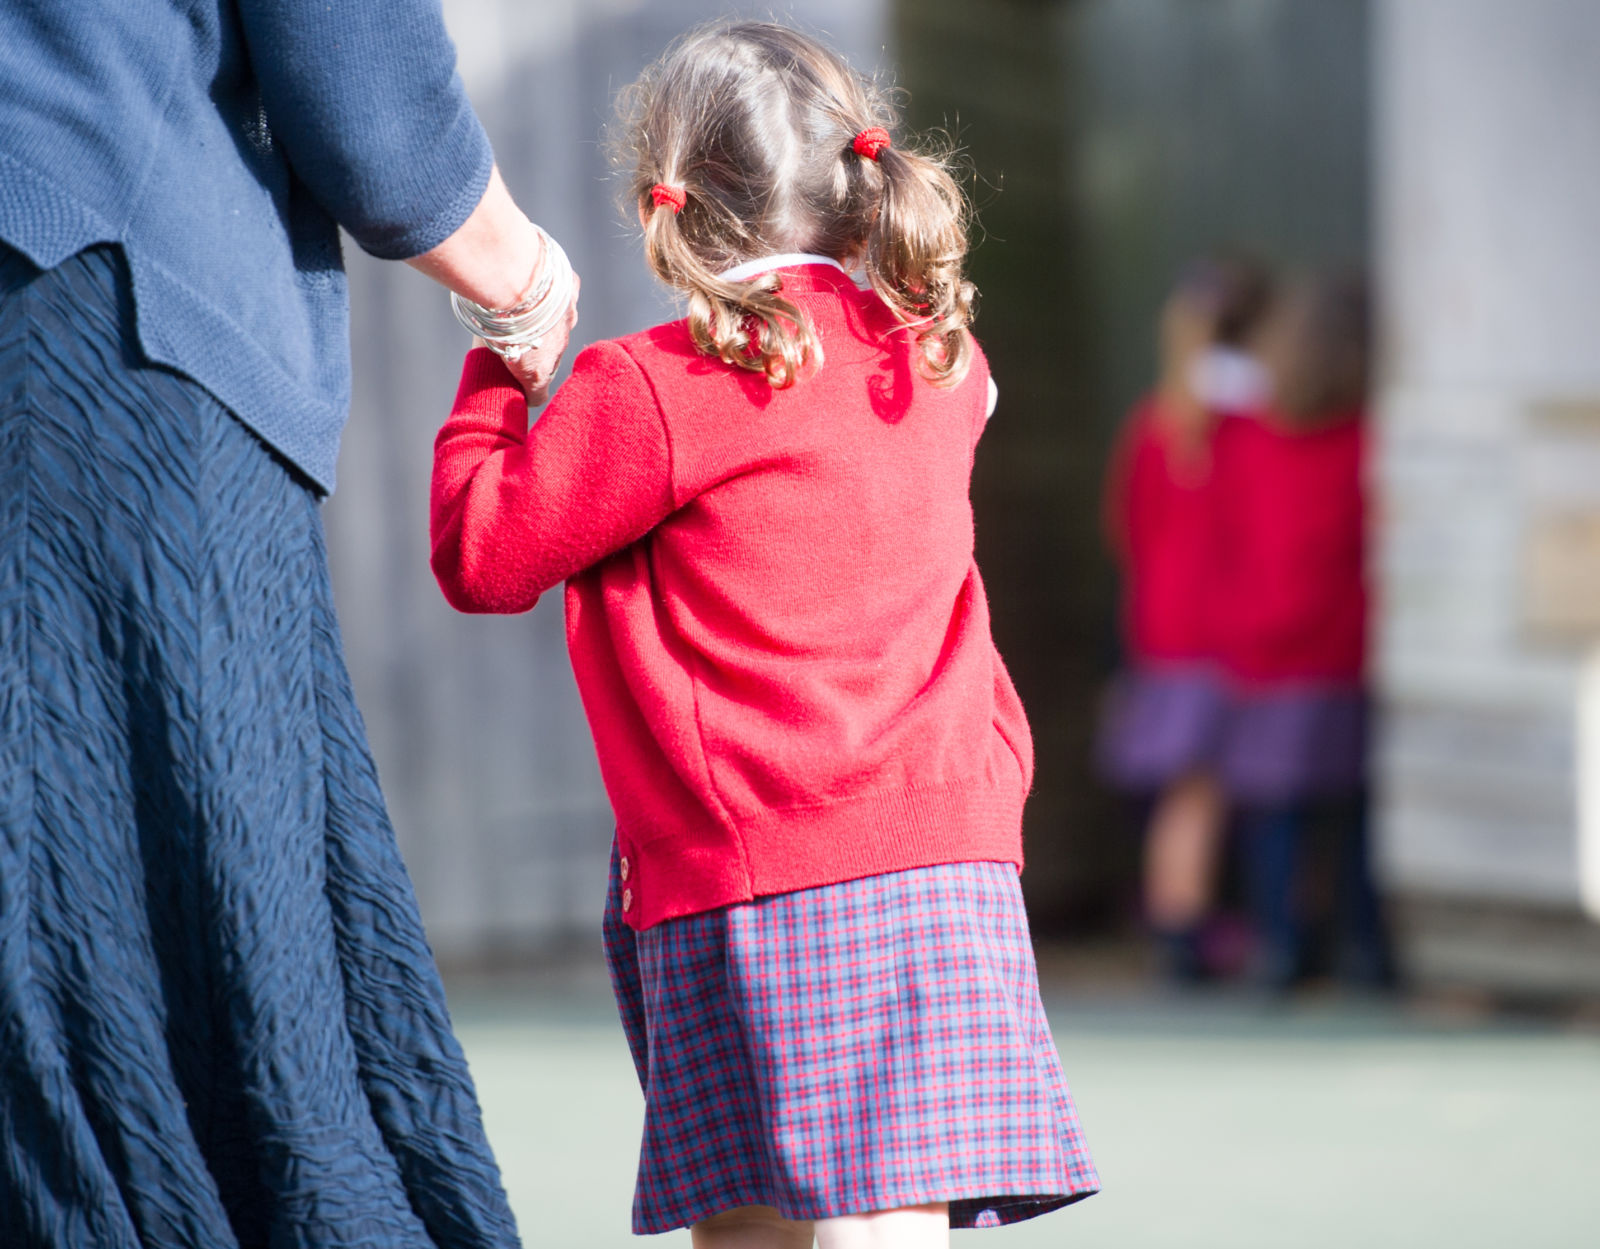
column 1162, row 729
column 1292, row 627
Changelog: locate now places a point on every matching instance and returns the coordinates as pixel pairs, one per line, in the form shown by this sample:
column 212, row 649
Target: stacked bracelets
column 511, row 331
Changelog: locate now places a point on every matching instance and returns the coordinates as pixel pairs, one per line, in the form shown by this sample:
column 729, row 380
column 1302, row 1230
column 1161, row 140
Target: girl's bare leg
column 1185, row 842
column 762, row 1227
column 751, row 1227
column 916, row 1227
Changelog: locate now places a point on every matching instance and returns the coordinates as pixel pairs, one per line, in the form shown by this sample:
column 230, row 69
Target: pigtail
column 916, row 248
column 749, row 325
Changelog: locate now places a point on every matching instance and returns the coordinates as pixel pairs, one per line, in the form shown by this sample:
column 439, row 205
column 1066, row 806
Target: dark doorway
column 1110, row 140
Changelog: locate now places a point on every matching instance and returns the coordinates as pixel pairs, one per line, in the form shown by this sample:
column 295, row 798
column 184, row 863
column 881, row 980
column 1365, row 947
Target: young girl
column 1293, row 637
column 1164, row 719
column 816, row 758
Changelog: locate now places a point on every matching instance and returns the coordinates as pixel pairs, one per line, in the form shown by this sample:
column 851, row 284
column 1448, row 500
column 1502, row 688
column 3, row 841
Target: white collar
column 765, row 264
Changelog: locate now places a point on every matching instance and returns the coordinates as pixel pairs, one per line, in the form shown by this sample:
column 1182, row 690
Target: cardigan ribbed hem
column 805, row 848
column 43, row 221
column 179, row 329
column 182, row 330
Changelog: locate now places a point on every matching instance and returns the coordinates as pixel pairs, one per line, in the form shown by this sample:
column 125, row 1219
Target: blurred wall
column 1111, row 141
column 484, row 753
column 1489, row 195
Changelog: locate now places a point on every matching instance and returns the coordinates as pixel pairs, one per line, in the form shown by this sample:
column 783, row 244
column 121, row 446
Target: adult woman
column 219, row 1021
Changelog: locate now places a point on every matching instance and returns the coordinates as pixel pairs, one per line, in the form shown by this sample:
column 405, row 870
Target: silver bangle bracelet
column 509, row 332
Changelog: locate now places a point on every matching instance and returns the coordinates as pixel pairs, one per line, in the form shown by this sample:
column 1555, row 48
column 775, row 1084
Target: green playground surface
column 1215, row 1120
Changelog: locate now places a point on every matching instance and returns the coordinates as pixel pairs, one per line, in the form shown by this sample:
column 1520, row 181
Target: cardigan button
column 627, row 899
column 622, row 867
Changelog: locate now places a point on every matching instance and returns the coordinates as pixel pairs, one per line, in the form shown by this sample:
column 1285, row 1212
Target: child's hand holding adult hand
column 536, row 368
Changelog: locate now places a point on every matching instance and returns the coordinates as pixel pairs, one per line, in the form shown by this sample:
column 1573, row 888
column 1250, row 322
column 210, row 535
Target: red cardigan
column 1161, row 520
column 778, row 631
column 1293, row 524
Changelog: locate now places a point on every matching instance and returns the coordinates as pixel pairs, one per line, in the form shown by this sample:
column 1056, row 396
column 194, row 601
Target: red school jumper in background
column 816, row 758
column 1164, row 718
column 1293, row 638
column 1291, row 615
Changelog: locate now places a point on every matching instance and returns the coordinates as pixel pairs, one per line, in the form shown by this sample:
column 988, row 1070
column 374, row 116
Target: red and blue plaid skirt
column 863, row 1046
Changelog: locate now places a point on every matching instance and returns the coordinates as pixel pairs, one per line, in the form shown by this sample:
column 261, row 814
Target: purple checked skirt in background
column 1268, row 744
column 1161, row 722
column 862, row 1046
column 1292, row 743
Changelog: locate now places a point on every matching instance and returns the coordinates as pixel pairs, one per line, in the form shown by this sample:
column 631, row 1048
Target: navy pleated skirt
column 220, row 1023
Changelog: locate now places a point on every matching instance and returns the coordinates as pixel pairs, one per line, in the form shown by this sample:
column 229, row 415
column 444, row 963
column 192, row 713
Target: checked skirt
column 862, row 1046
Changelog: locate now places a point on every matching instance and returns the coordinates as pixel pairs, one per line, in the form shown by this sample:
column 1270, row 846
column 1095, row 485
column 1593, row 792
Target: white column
column 1488, row 151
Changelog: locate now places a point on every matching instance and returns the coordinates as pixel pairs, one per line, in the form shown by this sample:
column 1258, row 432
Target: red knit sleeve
column 517, row 510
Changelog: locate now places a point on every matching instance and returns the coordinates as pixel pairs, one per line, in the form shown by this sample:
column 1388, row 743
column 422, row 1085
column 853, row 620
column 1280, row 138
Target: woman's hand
column 491, row 259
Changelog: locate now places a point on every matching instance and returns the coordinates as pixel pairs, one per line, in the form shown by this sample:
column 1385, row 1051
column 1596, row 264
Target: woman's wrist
column 508, row 286
column 494, row 257
column 528, row 292
column 512, row 331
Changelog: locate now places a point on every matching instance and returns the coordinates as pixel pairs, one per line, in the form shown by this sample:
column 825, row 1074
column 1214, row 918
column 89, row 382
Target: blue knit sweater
column 221, row 143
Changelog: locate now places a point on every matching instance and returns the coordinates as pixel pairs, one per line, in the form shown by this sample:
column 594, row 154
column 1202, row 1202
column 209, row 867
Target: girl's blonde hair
column 756, row 123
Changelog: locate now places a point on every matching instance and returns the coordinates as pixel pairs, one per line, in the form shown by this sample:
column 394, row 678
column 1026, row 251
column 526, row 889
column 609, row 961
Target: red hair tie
column 870, row 142
column 666, row 193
